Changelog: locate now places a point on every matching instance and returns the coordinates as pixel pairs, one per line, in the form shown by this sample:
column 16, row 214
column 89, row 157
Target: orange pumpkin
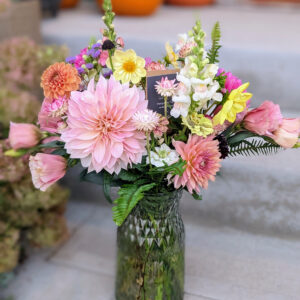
column 190, row 2
column 68, row 3
column 134, row 7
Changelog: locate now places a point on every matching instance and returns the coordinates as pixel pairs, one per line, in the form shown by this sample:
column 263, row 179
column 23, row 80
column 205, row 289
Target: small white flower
column 190, row 68
column 163, row 155
column 210, row 71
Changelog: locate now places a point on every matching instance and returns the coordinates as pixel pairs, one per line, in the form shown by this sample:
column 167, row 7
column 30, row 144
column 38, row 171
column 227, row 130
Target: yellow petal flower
column 198, row 124
column 172, row 56
column 236, row 103
column 127, row 66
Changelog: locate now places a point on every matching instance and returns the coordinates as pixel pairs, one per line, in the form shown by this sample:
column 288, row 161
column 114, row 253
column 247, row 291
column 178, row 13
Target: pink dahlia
column 100, row 129
column 203, row 162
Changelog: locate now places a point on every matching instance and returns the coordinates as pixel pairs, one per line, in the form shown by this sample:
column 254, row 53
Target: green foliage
column 174, row 169
column 197, row 196
column 239, row 137
column 129, row 196
column 213, row 53
column 254, row 147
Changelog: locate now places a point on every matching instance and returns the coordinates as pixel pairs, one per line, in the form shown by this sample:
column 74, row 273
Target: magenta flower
column 232, row 82
column 46, row 169
column 23, row 135
column 100, row 129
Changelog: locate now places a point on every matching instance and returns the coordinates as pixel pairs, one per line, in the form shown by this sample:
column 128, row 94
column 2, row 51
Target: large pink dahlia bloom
column 203, row 162
column 100, row 129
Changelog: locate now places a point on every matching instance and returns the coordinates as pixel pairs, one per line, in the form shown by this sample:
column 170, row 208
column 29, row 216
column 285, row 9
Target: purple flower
column 89, row 66
column 96, row 54
column 108, row 74
column 80, row 70
column 71, row 59
column 97, row 45
column 90, row 52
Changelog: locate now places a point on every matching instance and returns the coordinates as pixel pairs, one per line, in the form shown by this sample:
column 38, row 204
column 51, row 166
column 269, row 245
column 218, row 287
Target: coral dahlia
column 60, row 80
column 100, row 129
column 203, row 162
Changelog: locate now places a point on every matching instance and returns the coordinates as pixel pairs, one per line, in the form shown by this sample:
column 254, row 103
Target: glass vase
column 150, row 259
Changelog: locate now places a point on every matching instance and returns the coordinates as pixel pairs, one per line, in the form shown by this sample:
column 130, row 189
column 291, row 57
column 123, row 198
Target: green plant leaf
column 213, row 52
column 175, row 169
column 240, row 136
column 129, row 196
column 254, row 147
column 128, row 176
column 196, row 196
column 53, row 144
column 107, row 182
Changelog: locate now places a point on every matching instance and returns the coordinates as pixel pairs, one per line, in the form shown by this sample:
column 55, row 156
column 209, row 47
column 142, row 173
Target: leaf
column 91, row 177
column 175, row 169
column 128, row 176
column 61, row 152
column 240, row 136
column 197, row 196
column 129, row 196
column 15, row 153
column 107, row 181
column 253, row 147
column 53, row 144
column 213, row 53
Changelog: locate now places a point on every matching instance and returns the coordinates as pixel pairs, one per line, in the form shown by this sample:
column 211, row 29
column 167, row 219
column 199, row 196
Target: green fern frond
column 253, row 147
column 213, row 53
column 129, row 196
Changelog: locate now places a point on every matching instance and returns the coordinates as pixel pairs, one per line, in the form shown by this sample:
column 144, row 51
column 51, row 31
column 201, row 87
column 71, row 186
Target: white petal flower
column 210, row 71
column 163, row 155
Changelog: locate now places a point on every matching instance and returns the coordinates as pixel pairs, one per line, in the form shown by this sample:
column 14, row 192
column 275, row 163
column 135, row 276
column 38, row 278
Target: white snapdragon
column 181, row 99
column 163, row 155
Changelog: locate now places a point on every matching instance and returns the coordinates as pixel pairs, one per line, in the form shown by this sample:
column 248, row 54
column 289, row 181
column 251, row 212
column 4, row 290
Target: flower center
column 104, row 126
column 129, row 66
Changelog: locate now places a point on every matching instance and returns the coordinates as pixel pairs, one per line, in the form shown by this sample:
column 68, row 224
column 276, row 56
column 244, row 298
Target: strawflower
column 100, row 131
column 46, row 169
column 23, row 135
column 146, row 120
column 161, row 127
column 60, row 80
column 155, row 66
column 127, row 66
column 236, row 103
column 166, row 87
column 203, row 162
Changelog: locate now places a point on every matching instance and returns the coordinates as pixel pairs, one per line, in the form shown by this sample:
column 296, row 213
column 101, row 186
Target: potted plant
column 69, row 3
column 134, row 7
column 190, row 2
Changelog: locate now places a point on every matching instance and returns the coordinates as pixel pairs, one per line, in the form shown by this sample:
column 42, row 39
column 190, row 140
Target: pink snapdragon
column 23, row 135
column 46, row 169
column 288, row 132
column 263, row 120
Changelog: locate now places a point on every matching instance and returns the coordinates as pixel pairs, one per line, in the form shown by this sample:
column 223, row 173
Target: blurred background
column 243, row 239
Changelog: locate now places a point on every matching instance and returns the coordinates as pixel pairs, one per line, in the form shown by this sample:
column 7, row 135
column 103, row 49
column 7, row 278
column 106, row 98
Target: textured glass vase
column 150, row 263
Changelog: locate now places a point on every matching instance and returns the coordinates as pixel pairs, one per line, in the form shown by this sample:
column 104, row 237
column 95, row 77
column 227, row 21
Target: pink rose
column 264, row 120
column 46, row 169
column 23, row 135
column 288, row 133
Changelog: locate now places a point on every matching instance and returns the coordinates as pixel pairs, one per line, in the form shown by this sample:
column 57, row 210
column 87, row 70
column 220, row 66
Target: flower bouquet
column 154, row 129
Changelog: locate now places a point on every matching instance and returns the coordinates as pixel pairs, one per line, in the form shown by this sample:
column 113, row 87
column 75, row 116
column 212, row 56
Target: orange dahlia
column 60, row 80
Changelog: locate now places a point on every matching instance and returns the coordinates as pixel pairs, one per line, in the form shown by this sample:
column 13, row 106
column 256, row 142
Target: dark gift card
column 155, row 101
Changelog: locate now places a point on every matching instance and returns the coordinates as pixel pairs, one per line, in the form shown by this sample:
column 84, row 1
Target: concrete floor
column 222, row 263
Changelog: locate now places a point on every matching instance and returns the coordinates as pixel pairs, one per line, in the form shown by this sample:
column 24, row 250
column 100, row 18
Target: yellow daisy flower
column 171, row 55
column 127, row 66
column 198, row 124
column 236, row 103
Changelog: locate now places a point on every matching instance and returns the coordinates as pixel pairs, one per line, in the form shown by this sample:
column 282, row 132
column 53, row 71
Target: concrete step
column 260, row 44
column 221, row 263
